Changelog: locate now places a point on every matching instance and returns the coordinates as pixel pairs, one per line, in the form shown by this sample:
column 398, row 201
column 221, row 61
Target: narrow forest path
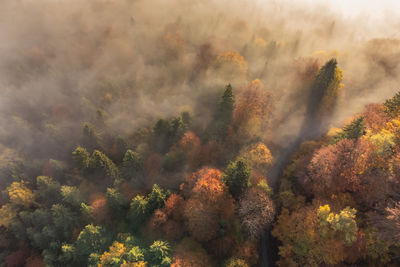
column 268, row 244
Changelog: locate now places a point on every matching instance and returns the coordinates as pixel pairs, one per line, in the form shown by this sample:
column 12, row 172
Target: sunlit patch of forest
column 209, row 133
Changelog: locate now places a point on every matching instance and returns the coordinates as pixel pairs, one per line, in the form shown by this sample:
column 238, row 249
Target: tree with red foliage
column 173, row 206
column 173, row 230
column 375, row 117
column 201, row 220
column 208, row 154
column 18, row 257
column 99, row 209
column 190, row 145
column 337, row 168
column 35, row 261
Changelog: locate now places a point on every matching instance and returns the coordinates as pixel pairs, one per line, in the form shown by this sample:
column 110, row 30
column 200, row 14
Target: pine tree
column 116, row 202
column 226, row 105
column 81, row 158
column 237, row 177
column 224, row 113
column 157, row 198
column 91, row 239
column 139, row 211
column 354, row 130
column 325, row 88
column 159, row 254
column 161, row 133
column 131, row 164
column 48, row 190
column 99, row 161
column 392, row 106
column 187, row 120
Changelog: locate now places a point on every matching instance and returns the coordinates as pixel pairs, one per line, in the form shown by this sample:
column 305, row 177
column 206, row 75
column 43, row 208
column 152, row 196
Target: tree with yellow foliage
column 344, row 223
column 259, row 156
column 230, row 66
column 113, row 257
column 315, row 236
column 20, row 194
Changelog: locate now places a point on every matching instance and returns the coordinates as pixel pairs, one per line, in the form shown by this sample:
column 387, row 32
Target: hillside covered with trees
column 219, row 135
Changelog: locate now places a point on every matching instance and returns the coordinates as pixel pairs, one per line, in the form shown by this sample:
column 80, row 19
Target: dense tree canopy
column 200, row 138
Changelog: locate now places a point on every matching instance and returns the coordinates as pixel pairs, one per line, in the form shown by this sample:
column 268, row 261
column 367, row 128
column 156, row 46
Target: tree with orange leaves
column 189, row 142
column 210, row 188
column 252, row 109
column 191, row 179
column 173, row 206
column 209, row 202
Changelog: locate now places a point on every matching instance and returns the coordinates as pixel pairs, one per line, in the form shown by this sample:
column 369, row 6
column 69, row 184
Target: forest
column 197, row 133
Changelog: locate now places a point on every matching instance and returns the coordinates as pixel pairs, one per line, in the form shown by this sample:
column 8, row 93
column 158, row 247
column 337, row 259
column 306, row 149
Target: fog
column 122, row 64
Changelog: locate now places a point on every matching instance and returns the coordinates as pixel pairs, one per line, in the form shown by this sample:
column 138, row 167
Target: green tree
column 89, row 130
column 177, row 129
column 100, row 162
column 187, row 120
column 47, row 190
column 325, row 88
column 65, row 220
column 226, row 104
column 345, row 223
column 159, row 254
column 392, row 106
column 36, row 227
column 224, row 115
column 354, row 130
column 116, row 202
column 91, row 239
column 135, row 254
column 139, row 211
column 71, row 195
column 132, row 164
column 237, row 177
column 161, row 134
column 81, row 158
column 173, row 161
column 156, row 198
column 68, row 255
